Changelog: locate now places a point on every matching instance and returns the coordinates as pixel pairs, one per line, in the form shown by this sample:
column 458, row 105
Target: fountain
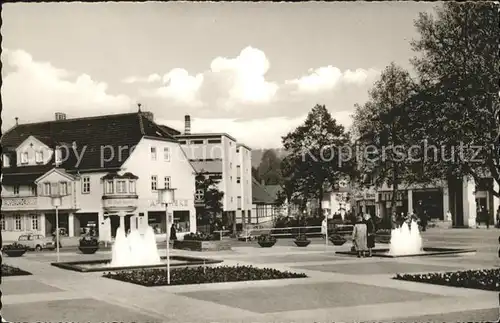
column 405, row 240
column 133, row 251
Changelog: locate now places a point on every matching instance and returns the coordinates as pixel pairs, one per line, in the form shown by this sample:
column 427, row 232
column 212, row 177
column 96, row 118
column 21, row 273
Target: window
column 109, row 187
column 199, row 195
column 63, row 188
column 121, row 186
column 17, row 222
column 6, row 161
column 230, row 178
column 214, row 141
column 154, row 182
column 3, row 225
column 85, row 185
column 167, row 182
column 230, row 165
column 232, row 199
column 153, row 153
column 182, row 142
column 24, row 158
column 238, row 180
column 166, row 154
column 46, row 189
column 131, row 186
column 237, row 150
column 34, row 222
column 197, row 142
column 16, row 189
column 39, row 157
column 33, row 190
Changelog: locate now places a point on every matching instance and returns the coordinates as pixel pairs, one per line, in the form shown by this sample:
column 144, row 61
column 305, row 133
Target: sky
column 253, row 70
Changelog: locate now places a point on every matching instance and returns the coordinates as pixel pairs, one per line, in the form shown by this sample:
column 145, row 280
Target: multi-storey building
column 220, row 156
column 108, row 167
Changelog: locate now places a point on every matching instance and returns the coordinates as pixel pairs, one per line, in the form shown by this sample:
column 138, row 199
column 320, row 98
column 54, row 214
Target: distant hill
column 257, row 155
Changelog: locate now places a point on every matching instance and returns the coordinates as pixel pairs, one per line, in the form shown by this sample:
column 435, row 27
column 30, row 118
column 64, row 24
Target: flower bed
column 88, row 245
column 200, row 275
column 484, row 279
column 266, row 240
column 13, row 271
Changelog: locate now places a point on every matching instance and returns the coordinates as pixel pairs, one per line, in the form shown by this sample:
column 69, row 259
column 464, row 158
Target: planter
column 193, row 245
column 338, row 242
column 266, row 244
column 302, row 243
column 88, row 250
column 15, row 252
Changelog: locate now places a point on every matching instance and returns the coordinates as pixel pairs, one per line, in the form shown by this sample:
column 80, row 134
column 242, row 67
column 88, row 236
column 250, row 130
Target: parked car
column 36, row 242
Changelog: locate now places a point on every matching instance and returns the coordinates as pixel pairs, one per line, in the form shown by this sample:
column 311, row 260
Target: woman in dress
column 359, row 235
column 370, row 233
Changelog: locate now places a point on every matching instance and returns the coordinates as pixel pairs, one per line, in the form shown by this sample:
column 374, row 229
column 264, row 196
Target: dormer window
column 39, row 157
column 24, row 158
column 6, row 161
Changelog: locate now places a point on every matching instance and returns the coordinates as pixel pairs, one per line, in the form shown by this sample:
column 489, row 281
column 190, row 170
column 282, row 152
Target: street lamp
column 56, row 194
column 166, row 195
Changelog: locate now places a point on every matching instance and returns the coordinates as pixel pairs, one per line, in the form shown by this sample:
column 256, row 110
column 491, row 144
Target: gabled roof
column 92, row 136
column 207, row 166
column 260, row 195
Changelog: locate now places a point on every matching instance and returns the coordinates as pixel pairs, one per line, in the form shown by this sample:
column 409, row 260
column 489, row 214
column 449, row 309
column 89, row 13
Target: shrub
column 88, row 241
column 383, row 232
column 301, row 237
column 485, row 279
column 200, row 236
column 200, row 275
column 15, row 246
column 266, row 238
column 13, row 271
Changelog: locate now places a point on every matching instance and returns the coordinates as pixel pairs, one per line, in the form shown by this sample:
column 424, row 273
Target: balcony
column 16, row 203
column 119, row 202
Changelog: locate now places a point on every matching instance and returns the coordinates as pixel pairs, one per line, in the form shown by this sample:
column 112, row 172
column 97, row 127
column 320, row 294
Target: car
column 35, row 241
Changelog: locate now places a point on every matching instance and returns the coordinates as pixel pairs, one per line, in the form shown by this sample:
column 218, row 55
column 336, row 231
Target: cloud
column 328, row 78
column 35, row 90
column 256, row 133
column 150, row 79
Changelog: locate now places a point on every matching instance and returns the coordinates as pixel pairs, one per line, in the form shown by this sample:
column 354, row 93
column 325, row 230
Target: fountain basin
column 427, row 251
column 103, row 264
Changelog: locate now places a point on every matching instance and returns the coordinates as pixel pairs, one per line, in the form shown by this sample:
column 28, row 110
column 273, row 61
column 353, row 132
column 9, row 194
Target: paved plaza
column 338, row 289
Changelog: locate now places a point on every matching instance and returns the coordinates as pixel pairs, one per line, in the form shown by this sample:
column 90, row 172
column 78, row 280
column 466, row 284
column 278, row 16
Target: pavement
column 338, row 288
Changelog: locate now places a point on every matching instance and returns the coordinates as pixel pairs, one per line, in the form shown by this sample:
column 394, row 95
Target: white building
column 109, row 167
column 220, row 156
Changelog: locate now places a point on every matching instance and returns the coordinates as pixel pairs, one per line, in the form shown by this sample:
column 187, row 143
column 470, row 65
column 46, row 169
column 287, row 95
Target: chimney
column 17, row 121
column 60, row 116
column 148, row 115
column 187, row 125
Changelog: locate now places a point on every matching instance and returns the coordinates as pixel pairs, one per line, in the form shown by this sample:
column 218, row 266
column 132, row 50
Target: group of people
column 363, row 235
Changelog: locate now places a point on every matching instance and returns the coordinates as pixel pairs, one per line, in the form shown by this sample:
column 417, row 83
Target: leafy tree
column 255, row 174
column 316, row 155
column 458, row 105
column 212, row 198
column 383, row 129
column 269, row 169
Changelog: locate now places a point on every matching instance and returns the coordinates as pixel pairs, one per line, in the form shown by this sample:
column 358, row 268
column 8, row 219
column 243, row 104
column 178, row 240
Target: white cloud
column 328, row 77
column 34, row 90
column 149, row 79
column 247, row 72
column 256, row 133
column 179, row 86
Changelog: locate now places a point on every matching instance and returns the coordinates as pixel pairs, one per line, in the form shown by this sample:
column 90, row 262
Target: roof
column 109, row 136
column 273, row 190
column 207, row 166
column 204, row 135
column 260, row 195
column 243, row 145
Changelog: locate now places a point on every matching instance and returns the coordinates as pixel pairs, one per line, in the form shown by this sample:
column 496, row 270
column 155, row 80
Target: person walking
column 498, row 217
column 370, row 233
column 173, row 233
column 324, row 228
column 359, row 235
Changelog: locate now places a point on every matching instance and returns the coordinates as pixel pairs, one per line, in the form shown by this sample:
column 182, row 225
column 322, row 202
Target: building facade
column 221, row 157
column 109, row 169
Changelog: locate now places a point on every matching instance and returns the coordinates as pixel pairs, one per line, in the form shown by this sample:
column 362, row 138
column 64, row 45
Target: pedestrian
column 173, row 233
column 359, row 235
column 478, row 217
column 448, row 215
column 370, row 233
column 486, row 217
column 423, row 220
column 324, row 228
column 498, row 217
column 394, row 221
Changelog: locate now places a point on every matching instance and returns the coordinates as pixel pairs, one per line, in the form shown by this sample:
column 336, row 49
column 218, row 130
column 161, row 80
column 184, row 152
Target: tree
column 383, row 129
column 212, row 199
column 269, row 169
column 457, row 108
column 255, row 174
column 316, row 155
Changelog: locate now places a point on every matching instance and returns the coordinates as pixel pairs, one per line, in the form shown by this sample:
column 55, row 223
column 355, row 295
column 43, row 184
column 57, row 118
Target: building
column 109, row 167
column 221, row 157
column 336, row 200
column 461, row 198
column 264, row 206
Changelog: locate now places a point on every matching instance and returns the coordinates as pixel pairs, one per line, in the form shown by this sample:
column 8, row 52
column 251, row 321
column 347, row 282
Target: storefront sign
column 119, row 203
column 177, row 203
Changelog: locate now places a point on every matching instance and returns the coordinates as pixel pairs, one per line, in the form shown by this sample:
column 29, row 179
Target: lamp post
column 56, row 194
column 166, row 195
